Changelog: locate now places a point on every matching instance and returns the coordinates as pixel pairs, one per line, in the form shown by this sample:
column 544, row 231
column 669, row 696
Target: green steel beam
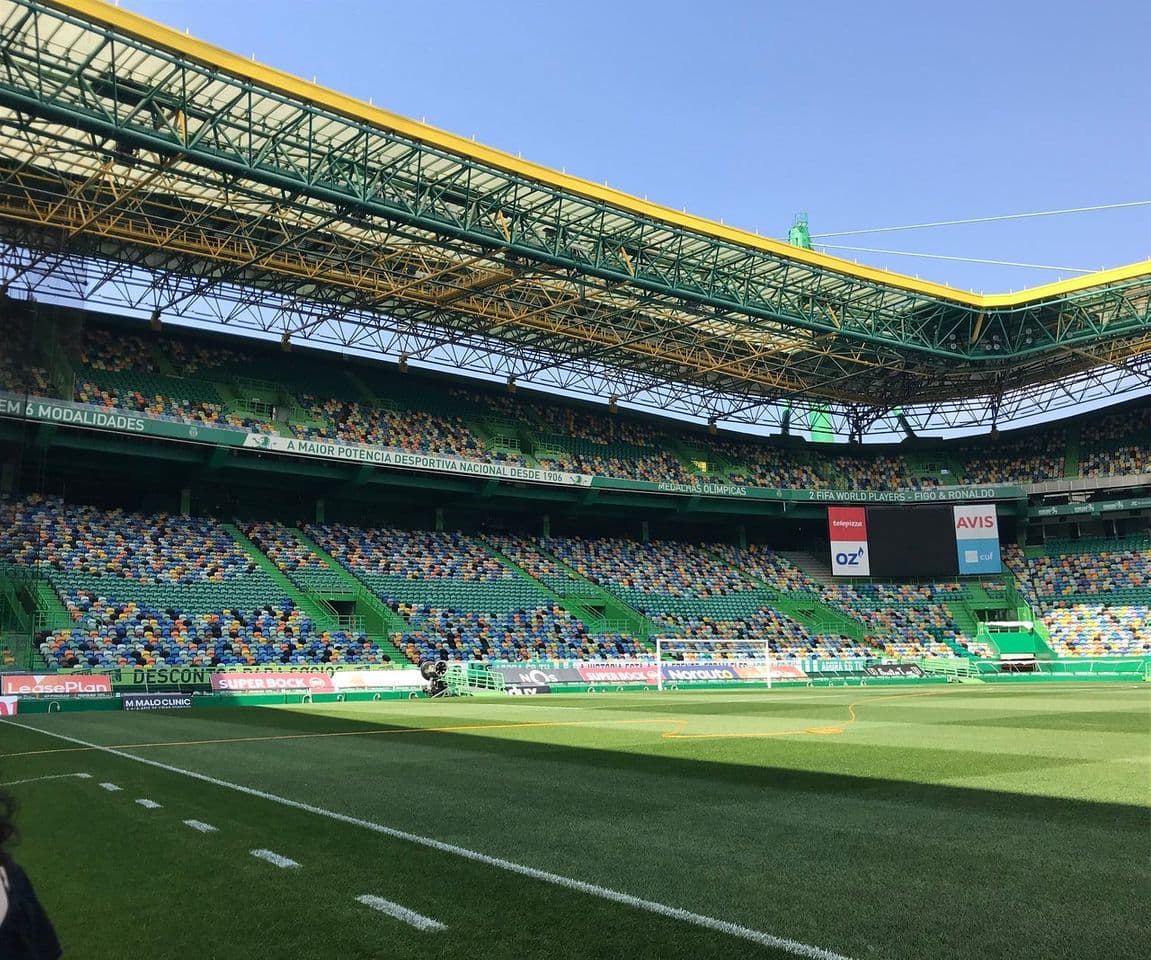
column 126, row 151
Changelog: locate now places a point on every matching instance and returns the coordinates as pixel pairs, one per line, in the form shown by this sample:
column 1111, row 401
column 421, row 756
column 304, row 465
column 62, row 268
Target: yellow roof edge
column 210, row 55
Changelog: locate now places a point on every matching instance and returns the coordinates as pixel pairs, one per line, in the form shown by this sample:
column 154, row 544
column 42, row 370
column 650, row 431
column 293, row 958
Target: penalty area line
column 739, row 931
column 55, row 776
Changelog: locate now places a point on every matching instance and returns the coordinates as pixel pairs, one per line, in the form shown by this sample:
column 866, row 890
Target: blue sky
column 861, row 114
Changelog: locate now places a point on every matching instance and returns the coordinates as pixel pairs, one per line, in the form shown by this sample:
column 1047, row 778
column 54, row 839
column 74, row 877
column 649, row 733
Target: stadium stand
column 19, row 371
column 546, row 632
column 906, row 620
column 1038, row 456
column 412, row 430
column 743, row 638
column 1065, row 586
column 459, row 599
column 644, row 573
column 691, row 594
column 292, row 556
column 192, row 379
column 157, row 589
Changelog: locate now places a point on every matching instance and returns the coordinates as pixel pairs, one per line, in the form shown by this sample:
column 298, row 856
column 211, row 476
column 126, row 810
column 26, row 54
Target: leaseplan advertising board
column 977, row 539
column 849, row 554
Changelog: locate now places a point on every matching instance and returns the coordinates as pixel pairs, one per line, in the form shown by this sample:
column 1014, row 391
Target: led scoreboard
column 927, row 541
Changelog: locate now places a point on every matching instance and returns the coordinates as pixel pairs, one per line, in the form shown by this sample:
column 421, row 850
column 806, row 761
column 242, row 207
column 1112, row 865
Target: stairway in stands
column 601, row 611
column 816, row 567
column 379, row 623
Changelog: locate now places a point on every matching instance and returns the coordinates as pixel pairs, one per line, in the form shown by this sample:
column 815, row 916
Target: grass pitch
column 950, row 822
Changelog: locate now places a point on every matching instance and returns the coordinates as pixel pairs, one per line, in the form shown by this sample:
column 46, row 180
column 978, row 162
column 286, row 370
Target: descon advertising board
column 847, row 527
column 977, row 539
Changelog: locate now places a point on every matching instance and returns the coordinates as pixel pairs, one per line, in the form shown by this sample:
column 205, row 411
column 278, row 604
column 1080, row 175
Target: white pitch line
column 410, row 917
column 55, row 776
column 274, row 859
column 111, row 787
column 793, row 947
column 148, row 804
column 200, row 825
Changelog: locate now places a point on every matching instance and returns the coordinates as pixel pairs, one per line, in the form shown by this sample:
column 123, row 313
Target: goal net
column 684, row 662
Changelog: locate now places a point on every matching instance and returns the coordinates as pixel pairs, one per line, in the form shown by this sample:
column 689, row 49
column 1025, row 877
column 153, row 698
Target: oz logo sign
column 852, row 559
column 849, row 558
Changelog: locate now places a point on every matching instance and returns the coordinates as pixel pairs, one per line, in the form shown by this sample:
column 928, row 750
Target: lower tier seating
column 113, row 633
column 541, row 633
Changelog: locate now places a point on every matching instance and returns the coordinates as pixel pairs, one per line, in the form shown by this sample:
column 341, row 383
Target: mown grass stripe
column 736, row 930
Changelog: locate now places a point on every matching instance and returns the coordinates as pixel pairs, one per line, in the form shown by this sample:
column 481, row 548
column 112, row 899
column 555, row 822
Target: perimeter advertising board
column 156, row 701
column 54, row 685
column 270, row 682
column 9, row 706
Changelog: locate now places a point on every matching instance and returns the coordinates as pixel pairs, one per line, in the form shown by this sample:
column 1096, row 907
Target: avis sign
column 847, row 527
column 977, row 539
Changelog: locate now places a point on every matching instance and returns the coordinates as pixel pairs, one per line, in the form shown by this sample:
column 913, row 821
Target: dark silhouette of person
column 26, row 933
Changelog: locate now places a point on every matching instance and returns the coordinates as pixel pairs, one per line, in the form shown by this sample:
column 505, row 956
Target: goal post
column 723, row 655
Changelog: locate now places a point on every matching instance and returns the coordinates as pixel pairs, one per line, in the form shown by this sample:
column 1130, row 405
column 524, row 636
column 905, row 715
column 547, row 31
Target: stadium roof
column 141, row 167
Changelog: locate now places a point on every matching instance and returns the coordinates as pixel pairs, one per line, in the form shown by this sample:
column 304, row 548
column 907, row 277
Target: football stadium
column 408, row 550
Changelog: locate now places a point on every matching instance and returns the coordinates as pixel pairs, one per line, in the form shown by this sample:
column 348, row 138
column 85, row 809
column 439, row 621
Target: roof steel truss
column 141, row 163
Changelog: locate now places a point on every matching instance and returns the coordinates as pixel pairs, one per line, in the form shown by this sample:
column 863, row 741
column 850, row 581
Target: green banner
column 929, row 495
column 84, row 415
column 1092, row 509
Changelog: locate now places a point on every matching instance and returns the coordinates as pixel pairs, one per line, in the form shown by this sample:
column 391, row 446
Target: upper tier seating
column 1116, row 444
column 411, row 430
column 165, row 398
column 1121, row 461
column 757, row 465
column 116, row 352
column 192, row 357
column 192, row 379
column 1020, row 460
column 874, row 473
column 19, row 370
